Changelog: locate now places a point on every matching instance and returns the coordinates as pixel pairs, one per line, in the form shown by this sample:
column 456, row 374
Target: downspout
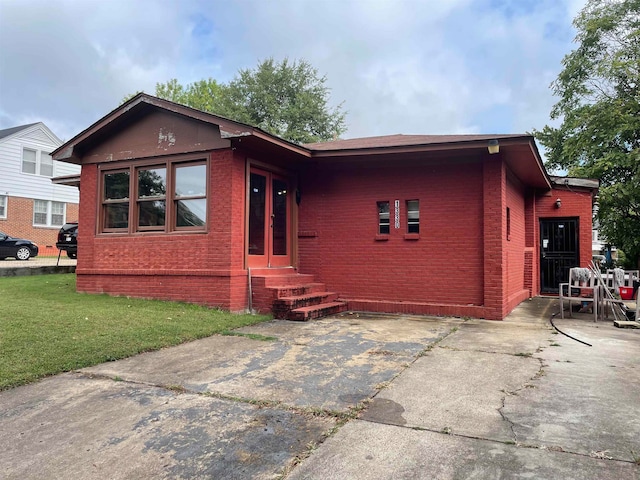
column 250, row 293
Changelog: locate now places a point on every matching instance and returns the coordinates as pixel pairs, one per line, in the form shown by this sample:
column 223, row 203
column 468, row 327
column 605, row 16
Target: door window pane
column 279, row 217
column 257, row 199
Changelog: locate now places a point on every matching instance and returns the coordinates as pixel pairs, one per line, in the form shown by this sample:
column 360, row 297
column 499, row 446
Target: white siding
column 17, row 184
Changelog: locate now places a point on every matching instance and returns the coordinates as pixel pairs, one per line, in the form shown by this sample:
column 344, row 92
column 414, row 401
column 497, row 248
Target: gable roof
column 520, row 151
column 10, row 131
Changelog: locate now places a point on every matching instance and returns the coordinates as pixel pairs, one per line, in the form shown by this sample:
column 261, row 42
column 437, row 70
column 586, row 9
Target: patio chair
column 582, row 288
column 622, row 295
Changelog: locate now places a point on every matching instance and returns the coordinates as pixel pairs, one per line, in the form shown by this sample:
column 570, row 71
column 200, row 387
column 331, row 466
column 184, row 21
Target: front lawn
column 48, row 328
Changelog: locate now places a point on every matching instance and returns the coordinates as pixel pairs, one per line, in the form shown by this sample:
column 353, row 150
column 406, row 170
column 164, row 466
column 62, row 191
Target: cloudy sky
column 398, row 66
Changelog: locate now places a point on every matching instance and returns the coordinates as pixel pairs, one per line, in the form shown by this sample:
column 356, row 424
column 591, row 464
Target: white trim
column 4, row 202
column 38, row 167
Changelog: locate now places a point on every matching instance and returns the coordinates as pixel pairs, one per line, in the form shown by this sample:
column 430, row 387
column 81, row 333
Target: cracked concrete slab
column 587, row 400
column 455, row 391
column 71, row 426
column 330, row 364
column 362, row 450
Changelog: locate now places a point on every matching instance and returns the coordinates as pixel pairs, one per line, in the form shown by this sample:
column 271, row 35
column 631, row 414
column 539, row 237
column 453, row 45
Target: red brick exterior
column 470, row 257
column 19, row 223
column 205, row 268
column 575, row 203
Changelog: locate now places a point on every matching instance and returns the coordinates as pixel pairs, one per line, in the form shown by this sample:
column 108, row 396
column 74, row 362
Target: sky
column 396, row 66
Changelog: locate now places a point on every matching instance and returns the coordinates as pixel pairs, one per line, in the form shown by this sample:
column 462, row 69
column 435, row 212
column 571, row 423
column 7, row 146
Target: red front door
column 269, row 220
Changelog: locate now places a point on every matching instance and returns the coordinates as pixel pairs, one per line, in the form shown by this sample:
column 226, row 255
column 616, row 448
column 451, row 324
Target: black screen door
column 558, row 252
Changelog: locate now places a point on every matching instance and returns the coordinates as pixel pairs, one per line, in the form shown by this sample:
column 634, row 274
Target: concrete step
column 282, row 306
column 304, row 314
column 283, row 291
column 284, row 280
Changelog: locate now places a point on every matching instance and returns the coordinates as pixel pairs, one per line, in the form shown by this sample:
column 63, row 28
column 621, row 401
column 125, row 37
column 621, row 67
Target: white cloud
column 399, row 66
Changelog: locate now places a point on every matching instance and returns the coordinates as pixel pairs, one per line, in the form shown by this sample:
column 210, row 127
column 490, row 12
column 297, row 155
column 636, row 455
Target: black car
column 19, row 248
column 68, row 239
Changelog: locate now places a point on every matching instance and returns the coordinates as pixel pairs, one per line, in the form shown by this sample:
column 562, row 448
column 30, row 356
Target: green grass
column 48, row 328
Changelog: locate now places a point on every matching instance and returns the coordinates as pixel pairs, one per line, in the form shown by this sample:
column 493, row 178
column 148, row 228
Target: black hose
column 566, row 334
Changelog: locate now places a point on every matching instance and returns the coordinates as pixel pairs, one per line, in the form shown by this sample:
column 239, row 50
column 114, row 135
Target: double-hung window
column 36, row 162
column 413, row 216
column 3, row 206
column 167, row 197
column 48, row 214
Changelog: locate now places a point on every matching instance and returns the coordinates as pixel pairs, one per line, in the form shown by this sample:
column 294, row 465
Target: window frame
column 170, row 198
column 48, row 214
column 381, row 225
column 141, row 200
column 37, row 163
column 413, row 221
column 4, row 204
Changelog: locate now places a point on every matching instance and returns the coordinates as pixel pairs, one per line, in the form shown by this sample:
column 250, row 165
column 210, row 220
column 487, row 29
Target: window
column 115, row 201
column 48, row 214
column 190, row 195
column 383, row 218
column 413, row 216
column 37, row 163
column 3, row 206
column 29, row 161
column 508, row 223
column 167, row 197
column 46, row 165
column 152, row 191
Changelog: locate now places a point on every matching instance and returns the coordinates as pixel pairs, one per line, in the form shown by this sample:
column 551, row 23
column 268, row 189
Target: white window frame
column 3, row 206
column 38, row 167
column 49, row 214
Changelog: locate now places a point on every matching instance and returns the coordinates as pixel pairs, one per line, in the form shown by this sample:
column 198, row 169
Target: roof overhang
column 519, row 152
column 69, row 180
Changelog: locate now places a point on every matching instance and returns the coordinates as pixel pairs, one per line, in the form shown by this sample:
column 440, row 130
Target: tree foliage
column 288, row 99
column 599, row 106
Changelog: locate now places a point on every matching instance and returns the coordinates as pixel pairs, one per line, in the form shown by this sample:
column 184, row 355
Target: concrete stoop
column 293, row 296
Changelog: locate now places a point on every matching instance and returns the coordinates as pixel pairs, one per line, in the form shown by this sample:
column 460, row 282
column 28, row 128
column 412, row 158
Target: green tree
column 599, row 106
column 288, row 99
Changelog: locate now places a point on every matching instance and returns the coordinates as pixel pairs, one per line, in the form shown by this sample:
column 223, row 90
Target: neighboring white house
column 31, row 206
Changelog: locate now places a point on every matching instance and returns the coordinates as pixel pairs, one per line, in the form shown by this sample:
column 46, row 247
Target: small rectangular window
column 383, row 218
column 413, row 216
column 3, row 206
column 29, row 161
column 508, row 223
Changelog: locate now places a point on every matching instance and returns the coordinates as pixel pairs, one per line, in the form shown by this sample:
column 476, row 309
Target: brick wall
column 19, row 223
column 576, row 203
column 515, row 245
column 443, row 265
column 201, row 268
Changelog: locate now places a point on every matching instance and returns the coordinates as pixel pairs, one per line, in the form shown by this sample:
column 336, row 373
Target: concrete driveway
column 353, row 397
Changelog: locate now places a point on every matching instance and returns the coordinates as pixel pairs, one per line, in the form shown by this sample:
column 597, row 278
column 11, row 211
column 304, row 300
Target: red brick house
column 184, row 205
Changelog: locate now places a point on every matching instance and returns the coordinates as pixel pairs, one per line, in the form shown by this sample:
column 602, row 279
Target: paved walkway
column 36, row 266
column 349, row 397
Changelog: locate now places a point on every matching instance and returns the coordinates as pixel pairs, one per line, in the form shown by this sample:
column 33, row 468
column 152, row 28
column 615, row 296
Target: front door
column 269, row 220
column 558, row 252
